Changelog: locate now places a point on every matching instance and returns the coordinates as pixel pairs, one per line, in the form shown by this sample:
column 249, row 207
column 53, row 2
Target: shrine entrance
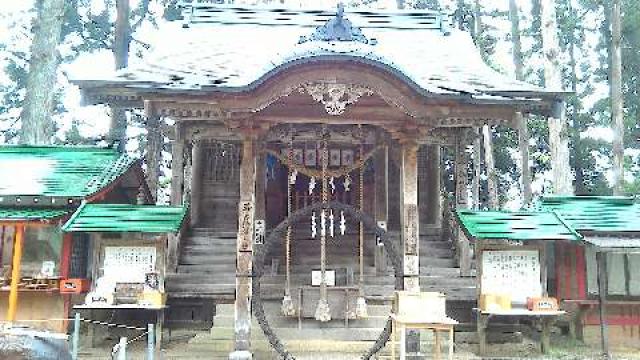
column 323, row 257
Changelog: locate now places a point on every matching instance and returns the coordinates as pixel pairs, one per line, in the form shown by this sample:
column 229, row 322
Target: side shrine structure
column 313, row 149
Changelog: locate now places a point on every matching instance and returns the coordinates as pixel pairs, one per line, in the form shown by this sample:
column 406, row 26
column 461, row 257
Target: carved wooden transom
column 335, row 97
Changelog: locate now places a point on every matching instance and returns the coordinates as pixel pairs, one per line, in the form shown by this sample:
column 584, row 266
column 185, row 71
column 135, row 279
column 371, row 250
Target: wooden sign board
column 511, row 272
column 330, row 277
column 129, row 263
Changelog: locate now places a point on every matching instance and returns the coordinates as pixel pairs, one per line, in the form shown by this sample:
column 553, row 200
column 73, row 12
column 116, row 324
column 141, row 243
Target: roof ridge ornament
column 338, row 28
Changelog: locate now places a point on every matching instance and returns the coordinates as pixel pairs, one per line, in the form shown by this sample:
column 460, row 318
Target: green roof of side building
column 126, row 218
column 57, row 171
column 597, row 214
column 520, row 226
column 18, row 214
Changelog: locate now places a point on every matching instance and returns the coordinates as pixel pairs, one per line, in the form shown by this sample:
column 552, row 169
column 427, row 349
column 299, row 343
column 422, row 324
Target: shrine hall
column 321, row 155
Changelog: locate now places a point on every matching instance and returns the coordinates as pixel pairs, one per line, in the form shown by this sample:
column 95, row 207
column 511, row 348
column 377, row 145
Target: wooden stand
column 401, row 324
column 546, row 319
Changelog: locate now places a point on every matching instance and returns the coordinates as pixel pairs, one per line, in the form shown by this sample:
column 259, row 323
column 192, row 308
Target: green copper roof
column 31, row 214
column 606, row 214
column 126, row 218
column 59, row 171
column 520, row 226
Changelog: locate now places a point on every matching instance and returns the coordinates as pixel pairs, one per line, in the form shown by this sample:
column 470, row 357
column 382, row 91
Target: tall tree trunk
column 460, row 14
column 616, row 101
column 521, row 120
column 476, row 28
column 121, row 42
column 37, row 126
column 492, row 188
column 558, row 139
column 575, row 108
column 477, row 33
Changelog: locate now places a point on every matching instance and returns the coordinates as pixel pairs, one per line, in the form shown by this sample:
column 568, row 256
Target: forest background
column 592, row 45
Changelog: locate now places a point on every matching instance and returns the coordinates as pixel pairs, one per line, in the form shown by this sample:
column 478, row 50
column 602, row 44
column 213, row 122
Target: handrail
column 451, row 232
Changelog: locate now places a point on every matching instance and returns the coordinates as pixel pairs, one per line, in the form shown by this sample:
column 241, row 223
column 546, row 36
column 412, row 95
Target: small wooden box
column 128, row 293
column 74, row 286
column 542, row 304
column 152, row 298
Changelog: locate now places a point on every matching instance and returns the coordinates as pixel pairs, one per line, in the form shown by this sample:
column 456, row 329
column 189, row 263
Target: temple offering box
column 75, row 286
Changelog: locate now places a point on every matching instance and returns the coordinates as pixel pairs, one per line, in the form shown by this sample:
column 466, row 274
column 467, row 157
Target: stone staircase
column 206, row 270
column 313, row 340
column 439, row 270
column 206, row 266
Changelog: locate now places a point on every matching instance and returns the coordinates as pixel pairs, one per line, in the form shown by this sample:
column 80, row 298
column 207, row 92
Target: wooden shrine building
column 40, row 188
column 324, row 129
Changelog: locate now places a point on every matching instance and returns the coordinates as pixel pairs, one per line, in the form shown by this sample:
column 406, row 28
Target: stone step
column 207, row 268
column 438, row 262
column 206, row 240
column 202, row 259
column 441, row 253
column 303, row 349
column 213, row 232
column 426, row 245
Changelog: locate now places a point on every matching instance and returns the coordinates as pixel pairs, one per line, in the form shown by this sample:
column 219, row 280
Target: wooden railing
column 451, row 231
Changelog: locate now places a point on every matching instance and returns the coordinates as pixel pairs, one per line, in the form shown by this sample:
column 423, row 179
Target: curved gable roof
column 234, row 52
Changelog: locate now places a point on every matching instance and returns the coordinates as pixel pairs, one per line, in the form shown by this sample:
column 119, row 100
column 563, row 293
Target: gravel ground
column 562, row 348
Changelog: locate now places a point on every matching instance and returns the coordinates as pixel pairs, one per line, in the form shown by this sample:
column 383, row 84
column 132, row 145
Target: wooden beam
column 15, row 273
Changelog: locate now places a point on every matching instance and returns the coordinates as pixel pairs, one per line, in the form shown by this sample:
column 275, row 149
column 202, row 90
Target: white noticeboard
column 330, row 277
column 129, row 263
column 516, row 273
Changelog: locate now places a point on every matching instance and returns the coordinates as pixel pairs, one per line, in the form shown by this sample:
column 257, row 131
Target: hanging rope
column 288, row 309
column 361, row 304
column 323, row 312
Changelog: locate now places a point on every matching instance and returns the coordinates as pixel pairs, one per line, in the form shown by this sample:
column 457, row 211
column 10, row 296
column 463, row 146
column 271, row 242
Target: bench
column 578, row 309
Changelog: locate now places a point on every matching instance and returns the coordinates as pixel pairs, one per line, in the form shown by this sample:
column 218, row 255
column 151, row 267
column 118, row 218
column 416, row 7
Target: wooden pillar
column 475, row 182
column 65, row 255
column 601, row 260
column 381, row 168
column 177, row 193
column 409, row 215
column 196, row 180
column 154, row 148
column 244, row 253
column 261, row 185
column 177, row 166
column 434, row 210
column 15, row 273
column 460, row 167
column 461, row 200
